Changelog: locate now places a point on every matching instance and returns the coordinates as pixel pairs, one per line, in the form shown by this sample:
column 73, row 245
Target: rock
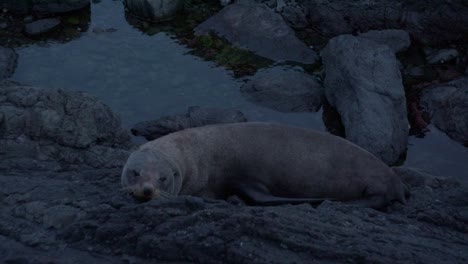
column 8, row 60
column 284, row 89
column 41, row 26
column 447, row 106
column 417, row 178
column 397, row 40
column 195, row 117
column 280, row 5
column 57, row 128
column 224, row 2
column 364, row 84
column 425, row 21
column 295, row 16
column 258, row 28
column 61, row 216
column 43, row 6
column 154, row 10
column 3, row 25
column 441, row 56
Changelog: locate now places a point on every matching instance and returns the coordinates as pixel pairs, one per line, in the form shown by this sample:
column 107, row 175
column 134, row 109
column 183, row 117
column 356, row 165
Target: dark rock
column 441, row 56
column 284, row 89
column 52, row 126
column 154, row 10
column 447, row 106
column 397, row 40
column 8, row 60
column 435, row 22
column 295, row 16
column 43, row 6
column 195, row 117
column 364, row 84
column 41, row 26
column 258, row 28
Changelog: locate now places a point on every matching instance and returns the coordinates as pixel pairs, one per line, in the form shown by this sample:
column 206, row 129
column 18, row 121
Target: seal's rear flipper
column 254, row 193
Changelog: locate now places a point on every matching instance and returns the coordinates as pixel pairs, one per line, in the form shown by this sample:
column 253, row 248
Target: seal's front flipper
column 254, row 193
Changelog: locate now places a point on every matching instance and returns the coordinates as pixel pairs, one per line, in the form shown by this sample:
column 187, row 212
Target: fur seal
column 263, row 163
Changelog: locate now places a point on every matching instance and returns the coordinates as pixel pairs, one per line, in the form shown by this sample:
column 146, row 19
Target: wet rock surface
column 41, row 26
column 284, row 89
column 259, row 29
column 447, row 106
column 363, row 82
column 8, row 60
column 195, row 117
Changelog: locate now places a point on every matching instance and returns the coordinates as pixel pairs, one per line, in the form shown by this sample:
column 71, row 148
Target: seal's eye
column 162, row 179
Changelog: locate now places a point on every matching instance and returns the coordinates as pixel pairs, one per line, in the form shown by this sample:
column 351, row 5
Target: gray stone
column 3, row 25
column 8, row 60
column 364, row 84
column 43, row 6
column 154, row 10
column 195, row 117
column 441, row 56
column 447, row 106
column 41, row 26
column 258, row 28
column 54, row 126
column 295, row 16
column 284, row 89
column 397, row 40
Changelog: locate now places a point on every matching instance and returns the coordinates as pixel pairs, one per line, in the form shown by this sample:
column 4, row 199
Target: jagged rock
column 43, row 6
column 284, row 89
column 447, row 106
column 364, row 84
column 54, row 127
column 154, row 10
column 195, row 117
column 41, row 26
column 258, row 28
column 8, row 60
column 397, row 40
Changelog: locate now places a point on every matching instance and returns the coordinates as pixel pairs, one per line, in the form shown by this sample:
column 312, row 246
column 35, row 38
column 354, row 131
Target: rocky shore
column 386, row 69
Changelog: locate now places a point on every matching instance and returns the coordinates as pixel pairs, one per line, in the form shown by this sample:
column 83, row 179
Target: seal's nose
column 148, row 192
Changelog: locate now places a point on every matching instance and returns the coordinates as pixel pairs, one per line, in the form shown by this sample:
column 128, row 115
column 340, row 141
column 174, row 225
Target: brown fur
column 289, row 161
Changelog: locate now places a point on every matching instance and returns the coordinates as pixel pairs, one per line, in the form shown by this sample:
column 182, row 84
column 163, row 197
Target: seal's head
column 148, row 174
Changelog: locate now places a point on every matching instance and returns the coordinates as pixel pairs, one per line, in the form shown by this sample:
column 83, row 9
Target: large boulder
column 43, row 6
column 364, row 84
column 284, row 89
column 154, row 10
column 447, row 106
column 258, row 28
column 434, row 22
column 8, row 60
column 195, row 117
column 57, row 128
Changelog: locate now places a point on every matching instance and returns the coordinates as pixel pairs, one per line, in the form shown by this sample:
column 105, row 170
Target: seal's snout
column 147, row 192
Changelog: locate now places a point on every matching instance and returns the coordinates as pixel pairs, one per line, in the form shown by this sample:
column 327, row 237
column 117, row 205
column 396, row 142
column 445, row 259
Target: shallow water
column 145, row 77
